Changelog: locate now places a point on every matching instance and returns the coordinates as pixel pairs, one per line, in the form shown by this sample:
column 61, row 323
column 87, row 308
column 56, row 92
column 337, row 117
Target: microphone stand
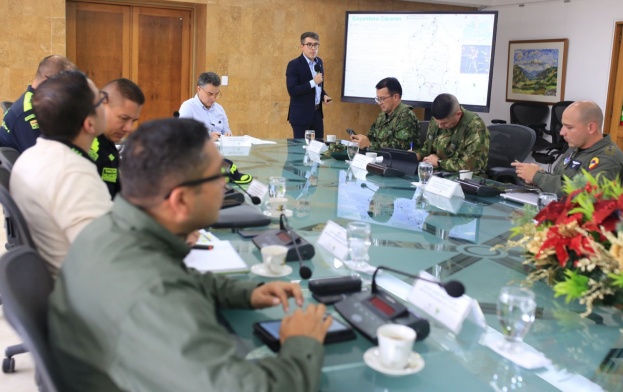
column 456, row 288
column 304, row 271
column 254, row 199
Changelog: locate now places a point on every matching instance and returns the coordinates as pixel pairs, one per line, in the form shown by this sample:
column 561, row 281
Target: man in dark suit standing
column 305, row 82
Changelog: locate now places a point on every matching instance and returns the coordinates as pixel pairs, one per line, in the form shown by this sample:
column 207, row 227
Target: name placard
column 314, row 157
column 256, row 188
column 333, row 239
column 448, row 311
column 360, row 161
column 317, row 147
column 238, row 151
column 235, row 141
column 443, row 187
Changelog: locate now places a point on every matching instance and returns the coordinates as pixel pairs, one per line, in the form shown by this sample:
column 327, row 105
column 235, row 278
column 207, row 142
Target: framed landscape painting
column 536, row 70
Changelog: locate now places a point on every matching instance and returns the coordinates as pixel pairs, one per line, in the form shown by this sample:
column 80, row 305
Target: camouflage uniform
column 465, row 146
column 602, row 157
column 398, row 129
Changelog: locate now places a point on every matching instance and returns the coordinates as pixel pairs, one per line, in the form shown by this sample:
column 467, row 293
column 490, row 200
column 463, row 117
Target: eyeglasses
column 197, row 182
column 104, row 99
column 382, row 99
column 212, row 95
column 312, row 46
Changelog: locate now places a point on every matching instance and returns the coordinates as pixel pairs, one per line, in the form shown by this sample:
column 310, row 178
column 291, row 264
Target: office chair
column 17, row 234
column 548, row 152
column 8, row 156
column 25, row 284
column 507, row 143
column 423, row 131
column 5, row 105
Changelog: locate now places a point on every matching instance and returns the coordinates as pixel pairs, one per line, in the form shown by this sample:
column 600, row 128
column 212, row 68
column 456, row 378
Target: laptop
column 522, row 198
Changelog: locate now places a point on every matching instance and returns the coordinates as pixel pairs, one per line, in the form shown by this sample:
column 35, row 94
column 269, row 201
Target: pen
column 411, row 146
column 204, row 247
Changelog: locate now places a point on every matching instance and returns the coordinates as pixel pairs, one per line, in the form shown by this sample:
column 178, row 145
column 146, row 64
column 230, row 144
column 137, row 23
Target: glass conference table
column 449, row 241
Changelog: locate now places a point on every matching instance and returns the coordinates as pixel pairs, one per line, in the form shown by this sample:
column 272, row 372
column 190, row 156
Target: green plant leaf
column 617, row 279
column 572, row 287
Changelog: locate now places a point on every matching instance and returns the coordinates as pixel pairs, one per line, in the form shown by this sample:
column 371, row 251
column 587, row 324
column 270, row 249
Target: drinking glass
column 359, row 241
column 276, row 186
column 516, row 309
column 352, row 149
column 545, row 199
column 309, row 136
column 425, row 172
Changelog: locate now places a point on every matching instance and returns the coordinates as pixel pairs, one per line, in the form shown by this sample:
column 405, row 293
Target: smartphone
column 351, row 132
column 268, row 332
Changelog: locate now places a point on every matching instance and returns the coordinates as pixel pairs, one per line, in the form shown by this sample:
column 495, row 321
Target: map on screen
column 429, row 53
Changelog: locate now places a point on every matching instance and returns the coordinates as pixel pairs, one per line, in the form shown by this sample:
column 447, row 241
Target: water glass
column 425, row 172
column 516, row 309
column 352, row 149
column 309, row 136
column 359, row 241
column 276, row 186
column 545, row 199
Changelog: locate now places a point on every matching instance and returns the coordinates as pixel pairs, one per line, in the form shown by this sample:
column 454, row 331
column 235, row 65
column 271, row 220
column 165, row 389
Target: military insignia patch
column 593, row 163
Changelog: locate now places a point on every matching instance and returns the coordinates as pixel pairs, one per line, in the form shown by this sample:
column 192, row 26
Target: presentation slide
column 429, row 53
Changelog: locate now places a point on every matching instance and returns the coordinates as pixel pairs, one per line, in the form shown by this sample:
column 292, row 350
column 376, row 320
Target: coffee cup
column 465, row 174
column 331, row 138
column 395, row 345
column 371, row 155
column 274, row 257
column 277, row 205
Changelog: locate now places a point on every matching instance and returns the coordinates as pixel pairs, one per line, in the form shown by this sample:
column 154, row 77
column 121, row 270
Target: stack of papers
column 212, row 255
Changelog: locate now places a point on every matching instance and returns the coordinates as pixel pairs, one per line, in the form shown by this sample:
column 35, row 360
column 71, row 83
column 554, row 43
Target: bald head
column 50, row 66
column 589, row 112
column 581, row 124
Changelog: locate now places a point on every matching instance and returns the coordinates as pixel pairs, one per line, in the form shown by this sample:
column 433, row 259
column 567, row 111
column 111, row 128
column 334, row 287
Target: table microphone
column 304, row 271
column 254, row 199
column 454, row 288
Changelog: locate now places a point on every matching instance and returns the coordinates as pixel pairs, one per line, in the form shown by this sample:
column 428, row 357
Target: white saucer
column 287, row 213
column 261, row 270
column 372, row 358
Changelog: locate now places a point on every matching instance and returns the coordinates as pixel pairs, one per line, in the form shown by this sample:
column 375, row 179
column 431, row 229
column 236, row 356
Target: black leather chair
column 25, row 284
column 548, row 152
column 17, row 234
column 423, row 131
column 508, row 143
column 8, row 156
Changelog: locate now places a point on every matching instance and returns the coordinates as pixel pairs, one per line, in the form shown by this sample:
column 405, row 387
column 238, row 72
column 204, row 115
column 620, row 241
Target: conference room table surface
column 450, row 239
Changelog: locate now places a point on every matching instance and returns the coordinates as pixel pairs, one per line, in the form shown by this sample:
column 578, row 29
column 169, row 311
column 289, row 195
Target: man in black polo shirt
column 125, row 100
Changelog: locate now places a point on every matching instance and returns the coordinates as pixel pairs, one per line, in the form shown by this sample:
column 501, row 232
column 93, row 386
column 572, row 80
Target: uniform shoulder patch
column 593, row 163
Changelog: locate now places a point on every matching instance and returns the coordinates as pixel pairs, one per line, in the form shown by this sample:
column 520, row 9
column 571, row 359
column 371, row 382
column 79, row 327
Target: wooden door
column 614, row 106
column 148, row 45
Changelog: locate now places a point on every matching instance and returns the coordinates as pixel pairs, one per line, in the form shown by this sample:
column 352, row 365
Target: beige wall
column 251, row 41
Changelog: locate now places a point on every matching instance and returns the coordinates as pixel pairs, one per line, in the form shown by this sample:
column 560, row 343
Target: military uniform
column 400, row 129
column 106, row 157
column 602, row 157
column 20, row 129
column 465, row 146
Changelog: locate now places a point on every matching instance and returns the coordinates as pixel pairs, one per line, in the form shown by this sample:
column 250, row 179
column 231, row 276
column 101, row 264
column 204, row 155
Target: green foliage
column 573, row 287
column 617, row 280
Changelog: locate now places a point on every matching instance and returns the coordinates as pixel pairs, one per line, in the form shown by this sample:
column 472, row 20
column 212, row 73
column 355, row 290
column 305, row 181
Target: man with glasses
column 305, row 83
column 396, row 126
column 203, row 106
column 125, row 100
column 126, row 314
column 20, row 129
column 457, row 139
column 55, row 183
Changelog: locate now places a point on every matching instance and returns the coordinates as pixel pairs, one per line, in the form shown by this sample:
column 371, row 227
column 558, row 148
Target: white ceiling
column 482, row 3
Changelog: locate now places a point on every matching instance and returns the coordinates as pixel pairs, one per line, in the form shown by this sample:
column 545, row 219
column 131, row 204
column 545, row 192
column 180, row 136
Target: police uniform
column 106, row 157
column 399, row 129
column 20, row 129
column 602, row 157
column 465, row 146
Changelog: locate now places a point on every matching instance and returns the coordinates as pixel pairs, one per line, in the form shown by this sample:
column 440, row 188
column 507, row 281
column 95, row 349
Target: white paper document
column 219, row 257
